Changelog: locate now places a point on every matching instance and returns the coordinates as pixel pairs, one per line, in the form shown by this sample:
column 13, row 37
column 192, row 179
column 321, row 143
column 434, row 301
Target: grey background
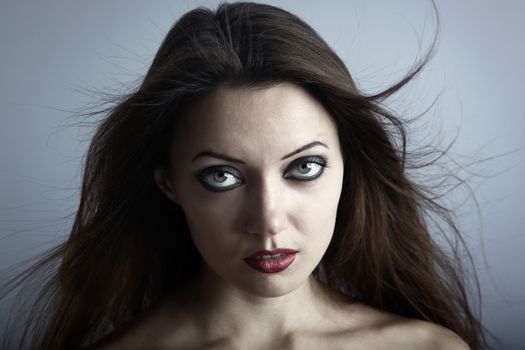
column 52, row 52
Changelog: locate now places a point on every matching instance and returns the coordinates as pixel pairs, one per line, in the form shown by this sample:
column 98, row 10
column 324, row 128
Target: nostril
column 266, row 226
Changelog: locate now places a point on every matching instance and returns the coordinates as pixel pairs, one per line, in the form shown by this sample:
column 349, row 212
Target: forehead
column 254, row 122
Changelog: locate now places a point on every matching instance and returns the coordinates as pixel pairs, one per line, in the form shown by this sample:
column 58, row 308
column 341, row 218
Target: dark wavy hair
column 129, row 245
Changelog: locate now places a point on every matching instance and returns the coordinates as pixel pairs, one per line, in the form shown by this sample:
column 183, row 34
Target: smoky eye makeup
column 220, row 178
column 306, row 168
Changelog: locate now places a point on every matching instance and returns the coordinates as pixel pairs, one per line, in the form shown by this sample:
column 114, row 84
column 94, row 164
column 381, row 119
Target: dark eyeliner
column 308, row 159
column 219, row 168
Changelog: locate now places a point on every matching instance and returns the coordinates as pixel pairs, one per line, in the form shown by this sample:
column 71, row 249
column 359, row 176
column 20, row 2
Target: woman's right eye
column 220, row 178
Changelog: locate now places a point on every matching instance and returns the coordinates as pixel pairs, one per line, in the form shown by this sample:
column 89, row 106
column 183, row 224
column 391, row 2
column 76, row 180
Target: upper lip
column 272, row 252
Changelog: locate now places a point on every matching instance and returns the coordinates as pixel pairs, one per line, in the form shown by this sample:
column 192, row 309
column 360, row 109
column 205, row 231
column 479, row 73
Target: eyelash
column 319, row 160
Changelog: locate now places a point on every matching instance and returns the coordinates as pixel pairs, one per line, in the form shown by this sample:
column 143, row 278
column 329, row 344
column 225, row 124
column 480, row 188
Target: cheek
column 317, row 219
column 318, row 207
column 210, row 225
column 318, row 213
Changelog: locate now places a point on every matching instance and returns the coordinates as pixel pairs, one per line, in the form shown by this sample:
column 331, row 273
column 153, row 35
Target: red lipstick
column 271, row 261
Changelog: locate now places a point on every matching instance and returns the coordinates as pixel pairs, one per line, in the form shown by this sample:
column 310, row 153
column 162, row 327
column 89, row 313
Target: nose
column 266, row 211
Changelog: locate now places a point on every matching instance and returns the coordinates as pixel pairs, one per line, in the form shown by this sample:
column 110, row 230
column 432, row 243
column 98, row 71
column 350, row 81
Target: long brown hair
column 128, row 242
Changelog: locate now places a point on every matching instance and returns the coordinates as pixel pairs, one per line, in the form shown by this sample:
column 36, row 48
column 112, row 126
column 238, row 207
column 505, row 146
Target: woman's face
column 257, row 169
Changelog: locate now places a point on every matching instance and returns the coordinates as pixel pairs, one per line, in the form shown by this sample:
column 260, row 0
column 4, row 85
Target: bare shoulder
column 153, row 329
column 397, row 332
column 128, row 336
column 427, row 335
column 383, row 330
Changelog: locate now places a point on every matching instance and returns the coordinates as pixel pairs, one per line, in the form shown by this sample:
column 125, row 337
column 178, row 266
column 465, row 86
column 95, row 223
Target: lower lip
column 271, row 265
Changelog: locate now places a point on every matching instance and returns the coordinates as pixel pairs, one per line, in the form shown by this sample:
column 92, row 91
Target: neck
column 225, row 311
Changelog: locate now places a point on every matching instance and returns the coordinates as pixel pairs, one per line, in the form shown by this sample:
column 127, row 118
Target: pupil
column 220, row 177
column 304, row 167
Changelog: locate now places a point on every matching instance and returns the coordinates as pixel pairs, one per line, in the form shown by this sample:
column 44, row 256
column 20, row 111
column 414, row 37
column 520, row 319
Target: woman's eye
column 220, row 178
column 223, row 178
column 306, row 168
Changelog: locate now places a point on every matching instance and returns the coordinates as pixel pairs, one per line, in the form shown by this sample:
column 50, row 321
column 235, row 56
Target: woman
column 248, row 196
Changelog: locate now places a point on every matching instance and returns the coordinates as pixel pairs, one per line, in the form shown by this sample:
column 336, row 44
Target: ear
column 163, row 182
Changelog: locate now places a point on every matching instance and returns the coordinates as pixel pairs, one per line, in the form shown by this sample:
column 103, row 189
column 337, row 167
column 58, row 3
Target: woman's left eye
column 306, row 168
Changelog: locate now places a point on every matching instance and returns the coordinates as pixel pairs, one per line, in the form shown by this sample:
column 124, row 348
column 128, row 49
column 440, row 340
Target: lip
column 272, row 265
column 272, row 252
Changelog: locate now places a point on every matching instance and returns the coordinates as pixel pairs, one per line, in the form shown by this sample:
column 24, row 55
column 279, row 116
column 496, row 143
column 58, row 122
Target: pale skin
column 272, row 190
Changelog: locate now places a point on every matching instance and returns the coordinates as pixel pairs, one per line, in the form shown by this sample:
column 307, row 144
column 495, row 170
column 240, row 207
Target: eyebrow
column 235, row 160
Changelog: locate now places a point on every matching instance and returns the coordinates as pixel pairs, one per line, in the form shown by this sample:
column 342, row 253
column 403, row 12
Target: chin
column 270, row 291
column 271, row 285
